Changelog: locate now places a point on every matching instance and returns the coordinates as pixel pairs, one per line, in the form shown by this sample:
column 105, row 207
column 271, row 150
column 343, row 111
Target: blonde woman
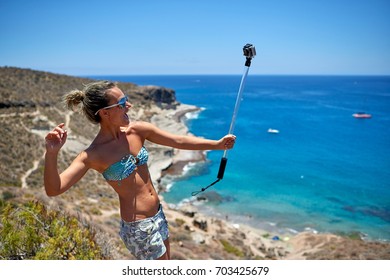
column 118, row 153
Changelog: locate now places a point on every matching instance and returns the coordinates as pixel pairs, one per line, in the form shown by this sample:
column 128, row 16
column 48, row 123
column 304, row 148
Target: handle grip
column 222, row 167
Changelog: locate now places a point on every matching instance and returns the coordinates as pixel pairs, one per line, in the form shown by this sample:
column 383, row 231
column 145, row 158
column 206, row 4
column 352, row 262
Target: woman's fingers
column 229, row 141
column 57, row 136
column 59, row 132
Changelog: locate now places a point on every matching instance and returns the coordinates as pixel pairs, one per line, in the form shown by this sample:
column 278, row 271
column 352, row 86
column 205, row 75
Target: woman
column 118, row 153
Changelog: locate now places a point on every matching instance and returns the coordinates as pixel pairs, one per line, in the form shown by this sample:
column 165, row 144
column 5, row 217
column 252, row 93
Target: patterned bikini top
column 123, row 168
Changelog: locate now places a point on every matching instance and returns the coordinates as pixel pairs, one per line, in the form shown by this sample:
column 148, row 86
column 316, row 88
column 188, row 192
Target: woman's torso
column 137, row 197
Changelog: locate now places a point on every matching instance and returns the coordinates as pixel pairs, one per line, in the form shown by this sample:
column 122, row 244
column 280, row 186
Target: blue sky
column 196, row 37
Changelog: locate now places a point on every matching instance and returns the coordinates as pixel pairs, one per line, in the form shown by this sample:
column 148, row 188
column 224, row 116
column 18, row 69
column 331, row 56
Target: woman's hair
column 93, row 97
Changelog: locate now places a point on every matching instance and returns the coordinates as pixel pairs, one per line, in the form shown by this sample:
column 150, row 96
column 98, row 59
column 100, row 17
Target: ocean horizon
column 323, row 171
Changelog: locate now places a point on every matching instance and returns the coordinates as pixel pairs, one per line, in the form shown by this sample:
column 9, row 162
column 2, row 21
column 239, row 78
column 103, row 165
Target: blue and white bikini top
column 123, row 168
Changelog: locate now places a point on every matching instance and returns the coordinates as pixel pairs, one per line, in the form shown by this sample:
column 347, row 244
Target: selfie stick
column 249, row 52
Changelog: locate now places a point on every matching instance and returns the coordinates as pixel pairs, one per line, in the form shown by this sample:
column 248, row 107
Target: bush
column 231, row 249
column 30, row 231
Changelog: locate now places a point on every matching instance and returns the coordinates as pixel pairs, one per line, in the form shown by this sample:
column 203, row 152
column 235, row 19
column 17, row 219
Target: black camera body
column 249, row 50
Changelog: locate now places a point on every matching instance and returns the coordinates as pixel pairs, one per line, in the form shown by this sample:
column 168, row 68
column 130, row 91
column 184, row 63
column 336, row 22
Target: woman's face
column 118, row 114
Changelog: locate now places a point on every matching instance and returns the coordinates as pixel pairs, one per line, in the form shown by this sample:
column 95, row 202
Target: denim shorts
column 145, row 238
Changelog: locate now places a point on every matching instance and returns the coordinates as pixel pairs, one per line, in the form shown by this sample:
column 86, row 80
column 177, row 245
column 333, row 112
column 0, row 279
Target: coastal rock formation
column 162, row 97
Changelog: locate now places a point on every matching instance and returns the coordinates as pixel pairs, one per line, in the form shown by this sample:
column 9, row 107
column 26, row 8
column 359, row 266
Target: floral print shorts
column 145, row 238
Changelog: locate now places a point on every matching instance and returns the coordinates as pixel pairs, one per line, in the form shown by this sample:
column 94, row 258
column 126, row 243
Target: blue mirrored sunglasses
column 121, row 103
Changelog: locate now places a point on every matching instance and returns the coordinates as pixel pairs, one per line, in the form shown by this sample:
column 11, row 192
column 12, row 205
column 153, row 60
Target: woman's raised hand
column 56, row 138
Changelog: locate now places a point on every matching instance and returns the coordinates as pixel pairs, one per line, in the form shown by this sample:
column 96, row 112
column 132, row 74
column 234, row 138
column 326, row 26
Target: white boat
column 274, row 131
column 361, row 115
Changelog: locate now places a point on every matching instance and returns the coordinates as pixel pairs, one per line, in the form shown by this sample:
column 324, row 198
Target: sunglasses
column 121, row 103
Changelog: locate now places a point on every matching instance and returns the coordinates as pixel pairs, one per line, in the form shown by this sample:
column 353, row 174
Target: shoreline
column 190, row 213
column 265, row 240
column 181, row 159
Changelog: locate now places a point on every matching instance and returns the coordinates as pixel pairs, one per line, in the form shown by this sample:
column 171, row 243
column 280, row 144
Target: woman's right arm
column 56, row 183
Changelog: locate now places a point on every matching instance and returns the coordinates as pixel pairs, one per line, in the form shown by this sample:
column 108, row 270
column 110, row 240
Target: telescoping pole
column 249, row 52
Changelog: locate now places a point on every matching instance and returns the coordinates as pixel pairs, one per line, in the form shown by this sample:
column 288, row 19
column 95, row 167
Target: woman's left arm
column 185, row 142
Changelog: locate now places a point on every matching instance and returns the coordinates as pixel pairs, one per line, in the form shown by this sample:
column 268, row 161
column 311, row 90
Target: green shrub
column 180, row 222
column 231, row 249
column 31, row 231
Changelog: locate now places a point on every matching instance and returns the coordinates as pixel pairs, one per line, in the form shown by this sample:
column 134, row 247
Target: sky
column 293, row 37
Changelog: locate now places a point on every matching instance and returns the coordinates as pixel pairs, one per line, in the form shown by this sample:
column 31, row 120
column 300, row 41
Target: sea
column 318, row 169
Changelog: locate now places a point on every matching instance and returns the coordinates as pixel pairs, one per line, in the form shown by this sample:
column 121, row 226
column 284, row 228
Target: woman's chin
column 126, row 119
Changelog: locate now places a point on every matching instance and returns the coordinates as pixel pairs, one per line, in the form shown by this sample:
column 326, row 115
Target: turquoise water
column 324, row 170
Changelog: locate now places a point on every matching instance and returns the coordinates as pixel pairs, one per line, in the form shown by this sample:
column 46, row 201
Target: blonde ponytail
column 73, row 99
column 93, row 97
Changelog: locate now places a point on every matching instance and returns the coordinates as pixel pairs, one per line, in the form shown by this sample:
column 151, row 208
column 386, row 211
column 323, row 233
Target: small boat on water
column 274, row 131
column 361, row 115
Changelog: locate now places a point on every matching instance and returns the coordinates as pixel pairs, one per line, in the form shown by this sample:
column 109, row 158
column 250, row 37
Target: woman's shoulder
column 139, row 127
column 94, row 156
column 90, row 153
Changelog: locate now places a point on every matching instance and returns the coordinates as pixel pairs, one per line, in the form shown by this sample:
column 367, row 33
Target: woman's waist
column 158, row 214
column 139, row 209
